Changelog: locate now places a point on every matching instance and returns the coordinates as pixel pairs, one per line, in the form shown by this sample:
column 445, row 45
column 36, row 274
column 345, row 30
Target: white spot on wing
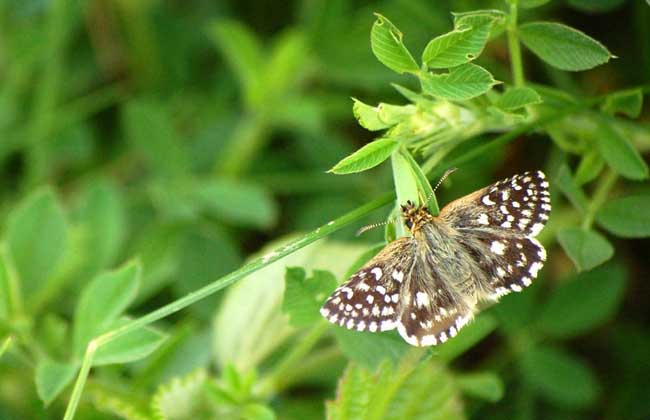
column 421, row 299
column 497, row 247
column 486, row 200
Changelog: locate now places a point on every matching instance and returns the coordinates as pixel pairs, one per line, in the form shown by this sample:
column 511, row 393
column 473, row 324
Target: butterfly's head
column 414, row 216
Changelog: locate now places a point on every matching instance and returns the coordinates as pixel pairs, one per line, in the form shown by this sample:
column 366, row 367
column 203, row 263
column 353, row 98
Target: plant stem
column 81, row 379
column 600, row 196
column 286, row 365
column 514, row 48
column 214, row 287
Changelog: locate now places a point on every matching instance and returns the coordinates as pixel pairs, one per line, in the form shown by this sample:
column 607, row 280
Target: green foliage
column 369, row 156
column 562, row 46
column 303, row 296
column 484, row 385
column 395, row 392
column 147, row 153
column 587, row 249
column 101, row 303
column 584, row 302
column 559, row 377
column 39, row 216
column 628, row 217
column 387, row 45
column 461, row 45
column 51, row 378
column 461, row 83
column 518, row 97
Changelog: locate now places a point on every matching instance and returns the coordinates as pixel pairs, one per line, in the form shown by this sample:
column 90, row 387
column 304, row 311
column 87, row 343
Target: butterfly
column 429, row 285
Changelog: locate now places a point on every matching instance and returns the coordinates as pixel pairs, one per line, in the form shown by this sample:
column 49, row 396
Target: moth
column 430, row 284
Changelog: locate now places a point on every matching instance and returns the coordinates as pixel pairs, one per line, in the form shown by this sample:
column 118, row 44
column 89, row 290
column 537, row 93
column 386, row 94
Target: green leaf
column 370, row 349
column 369, row 156
column 255, row 411
column 243, row 53
column 37, row 239
column 461, row 45
column 422, row 184
column 180, row 398
column 101, row 218
column 149, row 129
column 530, row 4
column 120, row 404
column 628, row 217
column 129, row 347
column 559, row 377
column 484, row 385
column 619, row 152
column 52, row 378
column 461, row 83
column 395, row 114
column 404, row 392
column 467, row 337
column 562, row 46
column 382, row 116
column 102, row 301
column 586, row 248
column 628, row 102
column 386, row 43
column 406, row 182
column 368, row 116
column 591, row 165
column 566, row 184
column 518, row 97
column 583, row 303
column 236, row 202
column 595, row 6
column 303, row 296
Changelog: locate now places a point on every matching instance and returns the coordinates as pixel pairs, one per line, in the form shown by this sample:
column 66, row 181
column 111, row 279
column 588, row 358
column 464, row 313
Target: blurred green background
column 192, row 134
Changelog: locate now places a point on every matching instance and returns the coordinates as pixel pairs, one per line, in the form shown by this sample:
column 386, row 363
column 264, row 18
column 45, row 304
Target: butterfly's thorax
column 446, row 258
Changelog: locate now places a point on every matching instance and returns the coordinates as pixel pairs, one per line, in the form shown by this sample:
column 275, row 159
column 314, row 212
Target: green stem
column 81, row 379
column 271, row 383
column 514, row 48
column 214, row 287
column 5, row 345
column 600, row 196
column 250, row 135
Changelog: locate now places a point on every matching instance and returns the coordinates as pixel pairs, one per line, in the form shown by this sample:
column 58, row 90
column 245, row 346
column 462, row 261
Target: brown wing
column 370, row 299
column 520, row 204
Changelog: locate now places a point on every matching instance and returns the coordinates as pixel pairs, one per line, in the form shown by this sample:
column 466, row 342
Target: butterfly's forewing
column 497, row 225
column 519, row 204
column 370, row 299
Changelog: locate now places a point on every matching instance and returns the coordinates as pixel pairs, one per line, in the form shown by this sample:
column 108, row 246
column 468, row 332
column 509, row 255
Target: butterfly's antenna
column 372, row 226
column 442, row 179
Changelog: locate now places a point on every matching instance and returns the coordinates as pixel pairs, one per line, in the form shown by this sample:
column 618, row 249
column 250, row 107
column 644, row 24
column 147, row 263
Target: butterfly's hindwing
column 520, row 204
column 431, row 315
column 509, row 262
column 370, row 299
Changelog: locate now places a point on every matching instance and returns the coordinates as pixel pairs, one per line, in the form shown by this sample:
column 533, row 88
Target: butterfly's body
column 429, row 285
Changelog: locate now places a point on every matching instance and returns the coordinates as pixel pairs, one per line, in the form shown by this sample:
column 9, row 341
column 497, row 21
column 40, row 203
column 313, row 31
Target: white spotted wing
column 369, row 300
